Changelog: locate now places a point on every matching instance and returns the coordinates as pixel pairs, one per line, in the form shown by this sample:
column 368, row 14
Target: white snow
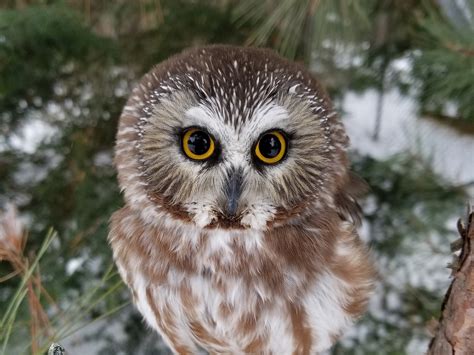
column 450, row 153
column 74, row 264
column 103, row 159
column 34, row 132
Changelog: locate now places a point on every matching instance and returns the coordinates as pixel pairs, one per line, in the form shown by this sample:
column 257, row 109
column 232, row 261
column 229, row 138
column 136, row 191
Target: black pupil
column 199, row 143
column 269, row 146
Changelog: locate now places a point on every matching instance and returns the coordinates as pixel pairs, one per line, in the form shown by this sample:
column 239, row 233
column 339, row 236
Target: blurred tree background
column 66, row 69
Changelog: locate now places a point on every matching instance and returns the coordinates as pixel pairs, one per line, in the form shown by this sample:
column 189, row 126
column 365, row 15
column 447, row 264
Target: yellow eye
column 197, row 144
column 271, row 147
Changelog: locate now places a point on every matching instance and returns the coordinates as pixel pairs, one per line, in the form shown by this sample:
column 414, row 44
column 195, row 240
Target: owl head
column 230, row 137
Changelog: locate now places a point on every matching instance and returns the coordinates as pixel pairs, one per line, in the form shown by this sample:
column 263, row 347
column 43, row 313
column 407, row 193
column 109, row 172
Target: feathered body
column 283, row 273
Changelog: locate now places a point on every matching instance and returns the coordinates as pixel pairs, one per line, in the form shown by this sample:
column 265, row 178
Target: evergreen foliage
column 445, row 64
column 38, row 46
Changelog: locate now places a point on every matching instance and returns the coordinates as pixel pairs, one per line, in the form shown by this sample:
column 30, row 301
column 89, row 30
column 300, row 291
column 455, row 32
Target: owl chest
column 282, row 311
column 221, row 315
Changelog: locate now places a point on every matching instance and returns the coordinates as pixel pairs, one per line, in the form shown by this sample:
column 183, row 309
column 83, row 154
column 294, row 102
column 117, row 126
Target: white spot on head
column 292, row 90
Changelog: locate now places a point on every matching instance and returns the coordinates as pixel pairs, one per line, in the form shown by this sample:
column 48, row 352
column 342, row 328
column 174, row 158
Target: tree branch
column 455, row 333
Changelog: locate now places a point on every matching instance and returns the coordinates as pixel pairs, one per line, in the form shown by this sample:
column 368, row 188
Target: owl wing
column 346, row 199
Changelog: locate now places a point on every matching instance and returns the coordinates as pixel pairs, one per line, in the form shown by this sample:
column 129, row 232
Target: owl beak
column 233, row 190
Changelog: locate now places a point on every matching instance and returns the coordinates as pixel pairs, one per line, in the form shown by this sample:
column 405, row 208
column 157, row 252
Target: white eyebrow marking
column 200, row 116
column 206, row 117
column 268, row 116
column 265, row 117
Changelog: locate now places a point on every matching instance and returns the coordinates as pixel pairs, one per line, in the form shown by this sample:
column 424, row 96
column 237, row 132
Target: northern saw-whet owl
column 238, row 233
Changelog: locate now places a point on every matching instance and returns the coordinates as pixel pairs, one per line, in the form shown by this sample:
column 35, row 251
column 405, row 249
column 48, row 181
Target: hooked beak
column 233, row 190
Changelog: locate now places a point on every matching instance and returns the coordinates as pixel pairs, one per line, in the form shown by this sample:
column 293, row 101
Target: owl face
column 234, row 138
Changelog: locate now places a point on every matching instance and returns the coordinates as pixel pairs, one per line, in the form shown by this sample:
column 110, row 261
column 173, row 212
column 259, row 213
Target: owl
column 238, row 233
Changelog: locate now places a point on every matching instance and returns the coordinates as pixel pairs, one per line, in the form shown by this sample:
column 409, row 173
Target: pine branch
column 455, row 333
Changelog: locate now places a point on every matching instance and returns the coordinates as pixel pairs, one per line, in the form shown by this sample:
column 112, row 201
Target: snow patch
column 401, row 129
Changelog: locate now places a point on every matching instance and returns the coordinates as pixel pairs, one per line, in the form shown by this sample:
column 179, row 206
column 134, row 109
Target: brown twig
column 455, row 332
column 468, row 52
